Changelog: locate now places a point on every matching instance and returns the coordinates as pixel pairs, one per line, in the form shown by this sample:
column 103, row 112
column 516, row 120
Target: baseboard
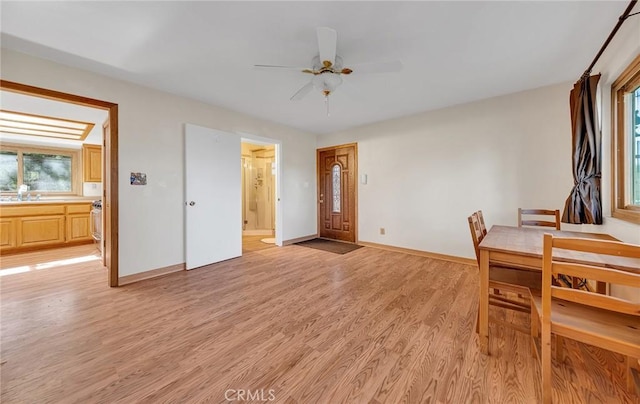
column 299, row 239
column 154, row 273
column 444, row 257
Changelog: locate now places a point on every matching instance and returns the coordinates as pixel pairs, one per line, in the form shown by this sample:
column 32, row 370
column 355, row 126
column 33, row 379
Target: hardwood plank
column 370, row 326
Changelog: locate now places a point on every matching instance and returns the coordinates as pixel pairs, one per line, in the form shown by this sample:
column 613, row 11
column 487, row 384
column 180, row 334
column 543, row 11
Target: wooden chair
column 483, row 228
column 539, row 212
column 503, row 279
column 607, row 322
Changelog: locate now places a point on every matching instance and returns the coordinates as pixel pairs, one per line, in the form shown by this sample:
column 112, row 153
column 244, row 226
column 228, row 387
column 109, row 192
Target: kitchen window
column 626, row 144
column 45, row 171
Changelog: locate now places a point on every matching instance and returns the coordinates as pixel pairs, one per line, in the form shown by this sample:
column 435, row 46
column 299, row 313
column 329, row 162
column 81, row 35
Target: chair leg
column 545, row 365
column 535, row 331
column 633, row 366
column 630, row 381
column 559, row 350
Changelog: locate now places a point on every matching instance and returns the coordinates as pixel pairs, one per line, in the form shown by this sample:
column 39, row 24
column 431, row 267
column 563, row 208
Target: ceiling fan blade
column 281, row 67
column 327, row 40
column 377, row 67
column 300, row 94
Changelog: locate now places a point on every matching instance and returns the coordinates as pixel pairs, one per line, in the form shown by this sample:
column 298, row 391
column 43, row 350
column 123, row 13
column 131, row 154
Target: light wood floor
column 253, row 243
column 370, row 326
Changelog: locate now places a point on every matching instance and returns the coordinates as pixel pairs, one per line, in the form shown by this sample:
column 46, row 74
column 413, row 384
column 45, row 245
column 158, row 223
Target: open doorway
column 261, row 167
column 258, row 168
column 67, row 218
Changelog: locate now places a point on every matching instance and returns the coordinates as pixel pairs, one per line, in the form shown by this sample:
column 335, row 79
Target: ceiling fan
column 327, row 67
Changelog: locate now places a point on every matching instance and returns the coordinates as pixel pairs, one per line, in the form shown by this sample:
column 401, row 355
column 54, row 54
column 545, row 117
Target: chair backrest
column 539, row 212
column 476, row 233
column 483, row 228
column 552, row 267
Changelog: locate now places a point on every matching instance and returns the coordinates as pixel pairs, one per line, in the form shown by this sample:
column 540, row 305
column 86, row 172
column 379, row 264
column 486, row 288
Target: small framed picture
column 138, row 179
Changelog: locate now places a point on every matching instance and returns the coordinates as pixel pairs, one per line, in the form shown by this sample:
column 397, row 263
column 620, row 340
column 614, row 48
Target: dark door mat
column 337, row 247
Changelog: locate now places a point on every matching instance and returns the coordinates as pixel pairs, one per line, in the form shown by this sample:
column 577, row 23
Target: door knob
column 192, row 203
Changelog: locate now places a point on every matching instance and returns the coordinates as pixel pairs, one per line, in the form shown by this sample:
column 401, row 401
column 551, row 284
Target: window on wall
column 626, row 144
column 8, row 171
column 43, row 171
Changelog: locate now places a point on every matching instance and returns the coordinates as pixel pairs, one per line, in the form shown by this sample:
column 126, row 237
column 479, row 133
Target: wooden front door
column 337, row 192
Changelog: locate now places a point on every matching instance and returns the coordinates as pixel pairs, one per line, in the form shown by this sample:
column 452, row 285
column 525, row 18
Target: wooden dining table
column 520, row 248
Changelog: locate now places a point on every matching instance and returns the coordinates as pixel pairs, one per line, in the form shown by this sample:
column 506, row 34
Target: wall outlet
column 382, row 231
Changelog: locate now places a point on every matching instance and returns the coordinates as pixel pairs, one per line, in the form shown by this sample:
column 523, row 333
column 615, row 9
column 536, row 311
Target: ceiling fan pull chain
column 326, row 101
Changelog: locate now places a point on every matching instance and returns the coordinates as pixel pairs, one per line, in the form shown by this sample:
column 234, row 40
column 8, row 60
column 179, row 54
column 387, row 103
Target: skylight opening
column 19, row 123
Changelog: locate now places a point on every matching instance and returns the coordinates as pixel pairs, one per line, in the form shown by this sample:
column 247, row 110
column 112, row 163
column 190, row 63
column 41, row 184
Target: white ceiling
column 452, row 52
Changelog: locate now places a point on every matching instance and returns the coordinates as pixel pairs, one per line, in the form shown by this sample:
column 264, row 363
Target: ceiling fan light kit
column 327, row 82
column 327, row 67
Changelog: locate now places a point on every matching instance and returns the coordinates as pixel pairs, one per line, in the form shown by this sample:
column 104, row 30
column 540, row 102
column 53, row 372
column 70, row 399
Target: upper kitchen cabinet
column 92, row 163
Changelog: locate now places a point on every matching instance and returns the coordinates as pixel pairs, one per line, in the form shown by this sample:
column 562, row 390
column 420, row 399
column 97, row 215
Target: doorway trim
column 110, row 189
column 261, row 140
column 356, row 179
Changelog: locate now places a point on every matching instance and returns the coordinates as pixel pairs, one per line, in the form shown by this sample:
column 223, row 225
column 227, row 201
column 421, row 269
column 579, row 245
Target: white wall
column 93, row 189
column 428, row 172
column 151, row 140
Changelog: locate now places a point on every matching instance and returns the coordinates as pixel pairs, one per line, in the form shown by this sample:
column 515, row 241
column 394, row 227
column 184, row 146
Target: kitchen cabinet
column 40, row 230
column 39, row 225
column 7, row 233
column 78, row 223
column 92, row 163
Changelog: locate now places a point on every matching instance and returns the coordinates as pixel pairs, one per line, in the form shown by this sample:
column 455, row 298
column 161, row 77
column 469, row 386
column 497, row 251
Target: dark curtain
column 583, row 204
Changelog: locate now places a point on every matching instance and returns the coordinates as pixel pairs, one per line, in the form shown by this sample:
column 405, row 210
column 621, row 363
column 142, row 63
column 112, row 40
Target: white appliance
column 96, row 222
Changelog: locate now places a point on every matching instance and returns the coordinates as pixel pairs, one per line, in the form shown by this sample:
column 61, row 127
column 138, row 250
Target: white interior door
column 213, row 203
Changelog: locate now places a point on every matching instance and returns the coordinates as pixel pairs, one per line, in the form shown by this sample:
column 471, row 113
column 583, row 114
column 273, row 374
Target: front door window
column 335, row 176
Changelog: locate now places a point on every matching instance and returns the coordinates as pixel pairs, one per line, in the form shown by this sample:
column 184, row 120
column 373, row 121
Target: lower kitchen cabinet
column 78, row 227
column 39, row 230
column 32, row 226
column 8, row 237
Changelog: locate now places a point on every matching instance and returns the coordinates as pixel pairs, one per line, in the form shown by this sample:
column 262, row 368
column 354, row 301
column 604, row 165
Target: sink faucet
column 22, row 188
